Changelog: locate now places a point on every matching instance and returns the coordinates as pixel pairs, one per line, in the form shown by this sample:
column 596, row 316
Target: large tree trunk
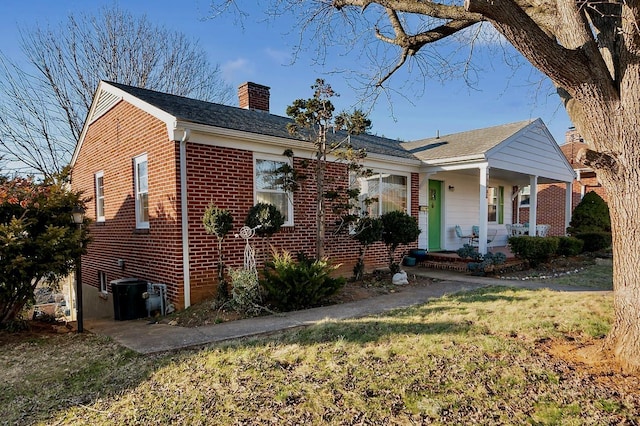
column 599, row 81
column 624, row 204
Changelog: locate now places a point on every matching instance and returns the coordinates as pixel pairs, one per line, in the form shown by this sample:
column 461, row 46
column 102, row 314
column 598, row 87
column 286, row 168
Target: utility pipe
column 185, row 218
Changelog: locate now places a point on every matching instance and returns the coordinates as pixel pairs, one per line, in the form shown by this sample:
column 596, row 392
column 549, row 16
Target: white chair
column 491, row 235
column 462, row 235
column 542, row 230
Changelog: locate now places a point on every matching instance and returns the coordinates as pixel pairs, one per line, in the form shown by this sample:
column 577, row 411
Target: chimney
column 253, row 96
column 572, row 135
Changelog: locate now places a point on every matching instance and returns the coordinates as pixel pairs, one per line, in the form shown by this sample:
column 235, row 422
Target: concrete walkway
column 146, row 338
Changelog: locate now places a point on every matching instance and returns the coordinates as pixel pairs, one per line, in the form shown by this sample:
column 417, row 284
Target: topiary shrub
column 368, row 230
column 569, row 246
column 595, row 241
column 534, row 250
column 590, row 215
column 398, row 228
column 218, row 222
column 300, row 284
column 265, row 218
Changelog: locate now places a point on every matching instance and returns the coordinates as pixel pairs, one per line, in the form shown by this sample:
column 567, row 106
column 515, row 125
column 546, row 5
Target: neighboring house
column 152, row 162
column 551, row 197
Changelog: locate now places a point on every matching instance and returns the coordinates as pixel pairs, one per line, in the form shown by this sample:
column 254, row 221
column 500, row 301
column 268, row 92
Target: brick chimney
column 253, row 96
column 572, row 135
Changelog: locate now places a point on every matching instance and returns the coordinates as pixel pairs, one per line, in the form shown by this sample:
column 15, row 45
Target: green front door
column 435, row 214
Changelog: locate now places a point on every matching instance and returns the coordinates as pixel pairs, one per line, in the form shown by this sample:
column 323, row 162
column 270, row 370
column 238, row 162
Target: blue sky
column 261, row 52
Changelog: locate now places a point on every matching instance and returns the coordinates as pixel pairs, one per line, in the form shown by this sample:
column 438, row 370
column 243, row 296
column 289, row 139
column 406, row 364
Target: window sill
column 141, row 231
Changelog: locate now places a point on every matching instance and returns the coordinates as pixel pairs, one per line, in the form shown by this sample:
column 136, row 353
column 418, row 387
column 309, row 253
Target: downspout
column 184, row 213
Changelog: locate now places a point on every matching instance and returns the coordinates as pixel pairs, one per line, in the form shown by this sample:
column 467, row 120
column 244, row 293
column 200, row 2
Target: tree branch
column 597, row 160
column 567, row 68
column 428, row 8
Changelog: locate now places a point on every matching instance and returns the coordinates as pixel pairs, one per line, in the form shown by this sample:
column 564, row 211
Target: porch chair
column 462, row 235
column 542, row 230
column 491, row 235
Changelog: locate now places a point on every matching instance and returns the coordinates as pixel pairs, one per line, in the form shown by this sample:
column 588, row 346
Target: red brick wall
column 223, row 176
column 551, row 202
column 110, row 145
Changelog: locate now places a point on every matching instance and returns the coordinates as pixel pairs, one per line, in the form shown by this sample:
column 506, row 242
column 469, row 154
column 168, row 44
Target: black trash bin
column 128, row 303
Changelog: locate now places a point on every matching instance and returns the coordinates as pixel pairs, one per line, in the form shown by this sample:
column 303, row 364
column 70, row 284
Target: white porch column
column 568, row 205
column 533, row 204
column 423, row 216
column 484, row 209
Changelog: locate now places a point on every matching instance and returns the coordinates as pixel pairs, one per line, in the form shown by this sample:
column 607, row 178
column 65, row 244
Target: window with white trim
column 385, row 193
column 524, row 196
column 269, row 190
column 141, row 176
column 100, row 197
column 102, row 280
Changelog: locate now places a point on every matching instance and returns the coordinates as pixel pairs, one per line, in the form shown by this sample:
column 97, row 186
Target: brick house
column 551, row 196
column 152, row 162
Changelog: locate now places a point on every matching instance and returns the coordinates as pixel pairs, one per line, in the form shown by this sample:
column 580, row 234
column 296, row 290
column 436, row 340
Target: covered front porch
column 471, row 179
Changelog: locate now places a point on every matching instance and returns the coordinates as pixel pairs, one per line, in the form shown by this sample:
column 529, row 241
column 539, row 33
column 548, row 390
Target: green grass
column 470, row 358
column 595, row 276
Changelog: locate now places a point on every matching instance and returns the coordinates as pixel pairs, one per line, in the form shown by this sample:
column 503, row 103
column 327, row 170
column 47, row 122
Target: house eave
column 249, row 140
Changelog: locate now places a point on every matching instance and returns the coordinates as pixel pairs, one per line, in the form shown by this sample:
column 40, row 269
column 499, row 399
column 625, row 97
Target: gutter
column 184, row 213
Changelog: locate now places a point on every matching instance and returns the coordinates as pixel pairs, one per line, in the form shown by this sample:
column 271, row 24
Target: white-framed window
column 524, row 196
column 386, row 192
column 102, row 280
column 141, row 177
column 100, row 197
column 268, row 189
column 492, row 201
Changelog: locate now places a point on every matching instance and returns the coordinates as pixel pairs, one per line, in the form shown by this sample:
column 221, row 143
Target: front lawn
column 492, row 356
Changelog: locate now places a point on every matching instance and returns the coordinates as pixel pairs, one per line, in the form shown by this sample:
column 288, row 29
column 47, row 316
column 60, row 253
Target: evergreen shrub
column 297, row 284
column 590, row 215
column 534, row 250
column 569, row 246
column 595, row 241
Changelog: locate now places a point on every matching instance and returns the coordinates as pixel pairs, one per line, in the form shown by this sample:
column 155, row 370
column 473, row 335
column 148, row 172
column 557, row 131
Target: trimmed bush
column 368, row 230
column 569, row 246
column 398, row 228
column 300, row 284
column 590, row 215
column 266, row 218
column 535, row 250
column 595, row 241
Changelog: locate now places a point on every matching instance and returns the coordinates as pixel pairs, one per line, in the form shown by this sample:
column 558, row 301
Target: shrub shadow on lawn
column 489, row 294
column 415, row 320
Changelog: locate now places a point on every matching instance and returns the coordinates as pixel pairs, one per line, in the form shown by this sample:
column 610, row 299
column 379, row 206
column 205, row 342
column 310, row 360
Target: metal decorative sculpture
column 249, row 254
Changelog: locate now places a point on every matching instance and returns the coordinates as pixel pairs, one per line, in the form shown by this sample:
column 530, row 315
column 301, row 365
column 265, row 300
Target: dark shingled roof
column 259, row 122
column 469, row 143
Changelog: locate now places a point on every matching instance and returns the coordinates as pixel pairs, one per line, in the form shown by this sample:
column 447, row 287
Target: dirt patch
column 35, row 329
column 593, row 360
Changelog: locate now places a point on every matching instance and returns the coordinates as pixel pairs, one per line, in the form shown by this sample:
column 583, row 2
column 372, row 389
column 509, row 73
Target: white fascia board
column 464, row 162
column 255, row 142
column 452, row 167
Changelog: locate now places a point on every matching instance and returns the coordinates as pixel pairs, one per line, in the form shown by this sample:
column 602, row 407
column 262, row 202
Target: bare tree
column 44, row 106
column 590, row 51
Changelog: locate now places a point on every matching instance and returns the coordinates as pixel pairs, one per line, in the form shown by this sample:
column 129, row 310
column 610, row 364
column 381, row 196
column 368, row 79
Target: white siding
column 460, row 207
column 534, row 152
